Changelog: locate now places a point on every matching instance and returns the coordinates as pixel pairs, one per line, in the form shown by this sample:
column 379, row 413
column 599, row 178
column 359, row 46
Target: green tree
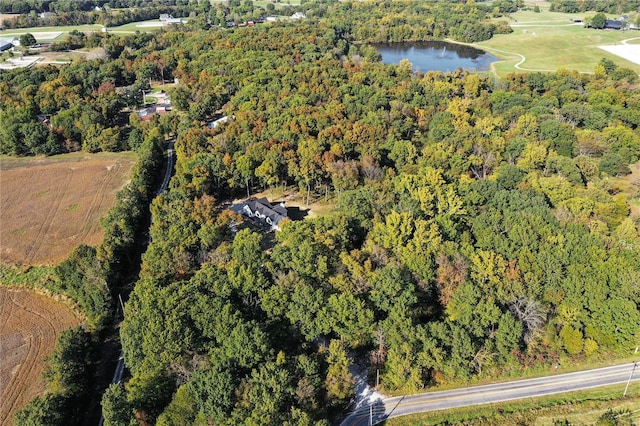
column 116, row 409
column 27, row 40
column 598, row 20
column 45, row 410
column 339, row 381
column 68, row 365
column 212, row 392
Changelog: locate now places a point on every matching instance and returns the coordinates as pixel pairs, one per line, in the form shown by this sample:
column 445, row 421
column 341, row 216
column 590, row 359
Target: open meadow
column 548, row 41
column 52, row 205
column 49, row 34
column 29, row 327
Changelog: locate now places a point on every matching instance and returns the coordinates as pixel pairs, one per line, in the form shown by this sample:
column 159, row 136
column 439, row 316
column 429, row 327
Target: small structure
column 5, row 44
column 167, row 19
column 262, row 212
column 219, row 121
column 612, row 24
column 298, row 15
column 146, row 114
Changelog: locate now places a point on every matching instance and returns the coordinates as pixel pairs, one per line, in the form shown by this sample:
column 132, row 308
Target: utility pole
column 370, row 415
column 635, row 364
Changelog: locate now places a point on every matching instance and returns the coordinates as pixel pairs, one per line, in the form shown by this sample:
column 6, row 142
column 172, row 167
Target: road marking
column 499, row 391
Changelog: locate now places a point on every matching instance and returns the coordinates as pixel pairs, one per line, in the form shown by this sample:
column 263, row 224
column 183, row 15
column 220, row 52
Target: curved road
column 387, row 408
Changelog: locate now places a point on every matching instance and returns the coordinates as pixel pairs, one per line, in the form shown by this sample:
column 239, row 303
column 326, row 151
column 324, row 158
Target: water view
column 436, row 56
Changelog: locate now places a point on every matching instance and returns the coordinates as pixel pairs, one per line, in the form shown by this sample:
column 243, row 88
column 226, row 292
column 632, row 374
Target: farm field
column 548, row 41
column 142, row 26
column 52, row 205
column 48, row 34
column 29, row 327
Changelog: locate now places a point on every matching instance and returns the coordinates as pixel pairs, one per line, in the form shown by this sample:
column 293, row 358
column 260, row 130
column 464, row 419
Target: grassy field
column 150, row 26
column 52, row 205
column 298, row 208
column 579, row 408
column 548, row 41
column 48, row 34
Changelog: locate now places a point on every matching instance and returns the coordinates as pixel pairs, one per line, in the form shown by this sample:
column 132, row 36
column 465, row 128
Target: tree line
column 480, row 227
column 92, row 278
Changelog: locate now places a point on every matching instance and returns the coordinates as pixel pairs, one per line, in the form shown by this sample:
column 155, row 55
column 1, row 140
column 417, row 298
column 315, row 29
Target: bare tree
column 532, row 315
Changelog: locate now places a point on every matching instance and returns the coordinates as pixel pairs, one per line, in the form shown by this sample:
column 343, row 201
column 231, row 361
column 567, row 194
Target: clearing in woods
column 29, row 327
column 548, row 41
column 52, row 205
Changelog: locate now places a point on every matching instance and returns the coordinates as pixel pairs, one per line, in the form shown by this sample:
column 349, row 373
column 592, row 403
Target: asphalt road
column 168, row 170
column 498, row 392
column 117, row 375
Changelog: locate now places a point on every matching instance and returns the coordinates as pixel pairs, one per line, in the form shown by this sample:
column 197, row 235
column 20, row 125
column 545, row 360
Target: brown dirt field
column 29, row 327
column 7, row 16
column 49, row 206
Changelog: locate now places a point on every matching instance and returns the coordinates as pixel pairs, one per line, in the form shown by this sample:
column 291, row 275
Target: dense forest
column 480, row 226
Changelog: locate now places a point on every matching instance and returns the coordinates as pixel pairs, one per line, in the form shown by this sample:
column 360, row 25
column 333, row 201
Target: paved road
column 117, row 375
column 399, row 406
column 168, row 170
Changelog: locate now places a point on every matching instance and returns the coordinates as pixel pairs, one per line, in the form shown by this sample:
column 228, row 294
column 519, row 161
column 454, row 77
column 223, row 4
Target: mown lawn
column 42, row 33
column 549, row 41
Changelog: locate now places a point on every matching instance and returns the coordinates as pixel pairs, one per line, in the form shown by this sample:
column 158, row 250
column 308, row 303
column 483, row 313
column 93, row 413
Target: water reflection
column 436, row 56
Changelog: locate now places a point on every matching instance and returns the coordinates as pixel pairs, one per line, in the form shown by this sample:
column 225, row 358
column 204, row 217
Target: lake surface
column 436, row 56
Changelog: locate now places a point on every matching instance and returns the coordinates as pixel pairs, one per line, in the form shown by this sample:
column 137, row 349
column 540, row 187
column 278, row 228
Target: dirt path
column 29, row 326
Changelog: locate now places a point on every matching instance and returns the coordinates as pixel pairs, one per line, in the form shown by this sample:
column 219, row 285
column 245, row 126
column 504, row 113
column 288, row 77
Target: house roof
column 613, row 24
column 264, row 208
column 5, row 44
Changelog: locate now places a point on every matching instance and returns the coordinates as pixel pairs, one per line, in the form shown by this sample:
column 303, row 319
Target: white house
column 262, row 212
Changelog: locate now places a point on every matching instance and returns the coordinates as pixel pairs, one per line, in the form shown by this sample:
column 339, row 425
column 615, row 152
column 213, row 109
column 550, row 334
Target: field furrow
column 30, row 325
column 52, row 205
column 51, row 212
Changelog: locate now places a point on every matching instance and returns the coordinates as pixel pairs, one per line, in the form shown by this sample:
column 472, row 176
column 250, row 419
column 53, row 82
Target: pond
column 436, row 56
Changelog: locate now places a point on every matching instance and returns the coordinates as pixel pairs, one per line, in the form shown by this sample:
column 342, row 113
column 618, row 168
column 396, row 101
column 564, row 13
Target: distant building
column 146, row 114
column 298, row 15
column 5, row 44
column 262, row 212
column 219, row 121
column 165, row 17
column 612, row 24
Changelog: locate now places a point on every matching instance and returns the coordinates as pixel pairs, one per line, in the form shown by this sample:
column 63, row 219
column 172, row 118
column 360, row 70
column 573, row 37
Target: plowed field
column 49, row 206
column 29, row 326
